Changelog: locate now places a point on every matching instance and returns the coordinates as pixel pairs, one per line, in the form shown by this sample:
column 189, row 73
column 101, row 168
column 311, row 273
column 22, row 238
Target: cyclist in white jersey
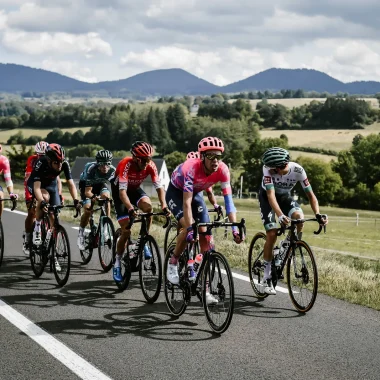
column 280, row 175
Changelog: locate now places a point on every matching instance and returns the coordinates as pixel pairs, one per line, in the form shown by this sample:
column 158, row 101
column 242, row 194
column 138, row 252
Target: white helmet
column 40, row 147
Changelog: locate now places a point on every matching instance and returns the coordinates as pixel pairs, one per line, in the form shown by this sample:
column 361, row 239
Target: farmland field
column 294, row 154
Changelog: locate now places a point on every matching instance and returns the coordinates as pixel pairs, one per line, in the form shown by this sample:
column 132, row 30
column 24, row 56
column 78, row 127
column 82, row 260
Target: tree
column 17, row 160
column 88, row 150
column 174, row 159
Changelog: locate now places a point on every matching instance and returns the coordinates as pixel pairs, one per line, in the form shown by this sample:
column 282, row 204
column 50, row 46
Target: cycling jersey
column 283, row 184
column 5, row 170
column 46, row 174
column 127, row 175
column 29, row 166
column 190, row 177
column 92, row 176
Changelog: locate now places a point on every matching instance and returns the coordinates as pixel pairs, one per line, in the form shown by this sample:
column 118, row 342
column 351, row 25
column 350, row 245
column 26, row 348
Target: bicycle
column 301, row 270
column 14, row 205
column 214, row 276
column 55, row 247
column 100, row 236
column 134, row 259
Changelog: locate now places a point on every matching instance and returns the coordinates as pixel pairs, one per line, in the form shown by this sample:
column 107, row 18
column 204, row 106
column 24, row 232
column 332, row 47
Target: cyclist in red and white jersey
column 186, row 202
column 5, row 170
column 126, row 193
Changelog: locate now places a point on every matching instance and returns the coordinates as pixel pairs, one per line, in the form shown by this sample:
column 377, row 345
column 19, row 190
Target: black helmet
column 275, row 157
column 104, row 156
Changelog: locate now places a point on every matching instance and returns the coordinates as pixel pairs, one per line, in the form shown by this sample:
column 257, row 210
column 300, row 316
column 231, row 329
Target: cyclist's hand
column 237, row 238
column 44, row 206
column 62, row 199
column 218, row 209
column 132, row 213
column 190, row 235
column 13, row 196
column 77, row 204
column 284, row 220
column 166, row 211
column 322, row 219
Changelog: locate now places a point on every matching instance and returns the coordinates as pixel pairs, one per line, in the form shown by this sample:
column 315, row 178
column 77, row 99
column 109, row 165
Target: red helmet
column 210, row 143
column 192, row 155
column 55, row 152
column 142, row 149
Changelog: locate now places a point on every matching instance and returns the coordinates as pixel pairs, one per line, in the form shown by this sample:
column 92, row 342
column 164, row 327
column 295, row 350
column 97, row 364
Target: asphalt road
column 111, row 335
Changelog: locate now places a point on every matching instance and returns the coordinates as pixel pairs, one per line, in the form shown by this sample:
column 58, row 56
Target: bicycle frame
column 103, row 213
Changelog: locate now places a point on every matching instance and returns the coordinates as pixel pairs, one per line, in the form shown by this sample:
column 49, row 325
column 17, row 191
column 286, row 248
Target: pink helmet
column 40, row 147
column 192, row 155
column 210, row 143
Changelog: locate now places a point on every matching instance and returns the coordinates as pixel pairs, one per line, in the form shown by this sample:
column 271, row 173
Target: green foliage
column 17, row 160
column 174, row 159
column 88, row 150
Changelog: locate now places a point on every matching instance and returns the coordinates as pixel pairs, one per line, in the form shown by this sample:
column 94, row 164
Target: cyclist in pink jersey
column 186, row 202
column 5, row 170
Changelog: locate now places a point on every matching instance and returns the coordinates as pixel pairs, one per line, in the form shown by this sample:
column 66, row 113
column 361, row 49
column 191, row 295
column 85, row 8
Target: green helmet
column 104, row 156
column 275, row 157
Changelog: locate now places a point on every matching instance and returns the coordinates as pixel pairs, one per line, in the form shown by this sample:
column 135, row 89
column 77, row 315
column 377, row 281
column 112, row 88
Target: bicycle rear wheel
column 125, row 264
column 1, row 242
column 256, row 263
column 302, row 277
column 106, row 243
column 170, row 234
column 218, row 282
column 176, row 296
column 150, row 269
column 61, row 256
column 38, row 254
column 86, row 254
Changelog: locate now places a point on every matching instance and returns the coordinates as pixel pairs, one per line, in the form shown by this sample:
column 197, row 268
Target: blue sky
column 220, row 41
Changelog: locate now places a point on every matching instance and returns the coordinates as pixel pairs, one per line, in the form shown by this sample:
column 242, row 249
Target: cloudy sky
column 221, row 41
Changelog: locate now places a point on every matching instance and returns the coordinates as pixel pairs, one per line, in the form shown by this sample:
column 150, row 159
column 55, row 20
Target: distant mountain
column 23, row 78
column 290, row 79
column 17, row 78
column 162, row 82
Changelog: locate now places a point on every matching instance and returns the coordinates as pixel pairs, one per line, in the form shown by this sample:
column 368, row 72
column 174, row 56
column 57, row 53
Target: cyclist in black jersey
column 42, row 184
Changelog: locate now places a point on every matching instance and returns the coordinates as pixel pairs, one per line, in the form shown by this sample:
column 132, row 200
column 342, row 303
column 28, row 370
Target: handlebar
column 219, row 211
column 143, row 215
column 54, row 208
column 216, row 224
column 293, row 222
column 14, row 202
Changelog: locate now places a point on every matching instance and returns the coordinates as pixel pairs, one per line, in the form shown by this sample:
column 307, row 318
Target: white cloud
column 3, row 20
column 56, row 43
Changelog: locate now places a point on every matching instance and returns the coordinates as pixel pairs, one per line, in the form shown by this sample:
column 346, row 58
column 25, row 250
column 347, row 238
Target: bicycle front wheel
column 302, row 277
column 170, row 234
column 218, row 293
column 256, row 263
column 105, row 248
column 1, row 242
column 61, row 256
column 150, row 269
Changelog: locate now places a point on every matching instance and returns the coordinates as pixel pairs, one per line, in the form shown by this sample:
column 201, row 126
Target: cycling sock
column 267, row 269
column 173, row 260
column 81, row 230
column 37, row 226
column 117, row 260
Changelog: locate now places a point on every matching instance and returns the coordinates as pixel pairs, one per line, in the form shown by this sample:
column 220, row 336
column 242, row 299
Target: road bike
column 301, row 267
column 55, row 247
column 144, row 257
column 14, row 205
column 100, row 236
column 214, row 277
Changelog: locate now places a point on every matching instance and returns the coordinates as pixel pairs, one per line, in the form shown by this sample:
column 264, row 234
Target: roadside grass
column 334, row 139
column 341, row 274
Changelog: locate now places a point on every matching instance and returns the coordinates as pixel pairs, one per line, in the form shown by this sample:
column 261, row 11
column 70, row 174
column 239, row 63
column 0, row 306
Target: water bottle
column 47, row 239
column 190, row 268
column 132, row 250
column 197, row 263
column 284, row 245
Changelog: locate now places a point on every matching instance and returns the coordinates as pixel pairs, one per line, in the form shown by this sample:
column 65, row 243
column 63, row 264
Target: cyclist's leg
column 293, row 210
column 1, row 203
column 85, row 215
column 104, row 193
column 39, row 215
column 199, row 210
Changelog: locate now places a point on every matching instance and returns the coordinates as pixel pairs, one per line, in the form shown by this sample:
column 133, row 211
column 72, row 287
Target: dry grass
column 294, row 154
column 335, row 139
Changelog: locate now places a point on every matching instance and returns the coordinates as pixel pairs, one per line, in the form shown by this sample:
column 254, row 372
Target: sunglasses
column 104, row 164
column 212, row 156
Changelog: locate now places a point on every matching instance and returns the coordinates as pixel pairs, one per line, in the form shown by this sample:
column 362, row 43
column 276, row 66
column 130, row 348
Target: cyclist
column 185, row 200
column 43, row 184
column 93, row 184
column 5, row 170
column 280, row 175
column 126, row 192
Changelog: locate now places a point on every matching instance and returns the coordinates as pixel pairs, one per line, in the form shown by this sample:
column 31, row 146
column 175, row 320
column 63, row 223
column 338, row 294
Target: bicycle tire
column 1, row 242
column 86, row 254
column 177, row 306
column 255, row 263
column 125, row 265
column 38, row 254
column 303, row 287
column 170, row 233
column 62, row 256
column 105, row 247
column 150, row 270
column 225, row 306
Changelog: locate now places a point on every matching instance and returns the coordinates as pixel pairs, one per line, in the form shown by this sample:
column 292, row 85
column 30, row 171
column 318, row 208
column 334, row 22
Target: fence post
column 357, row 218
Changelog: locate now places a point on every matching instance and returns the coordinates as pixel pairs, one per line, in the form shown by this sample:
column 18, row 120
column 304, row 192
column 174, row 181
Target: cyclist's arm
column 273, row 202
column 59, row 183
column 7, row 176
column 187, row 212
column 37, row 191
column 313, row 202
column 161, row 197
column 125, row 199
column 211, row 196
column 72, row 189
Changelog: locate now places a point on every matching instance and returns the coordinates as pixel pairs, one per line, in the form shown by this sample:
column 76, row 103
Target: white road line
column 16, row 211
column 54, row 347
